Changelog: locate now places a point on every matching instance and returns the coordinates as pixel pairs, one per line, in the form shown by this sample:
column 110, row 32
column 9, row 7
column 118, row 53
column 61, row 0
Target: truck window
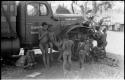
column 12, row 8
column 5, row 7
column 32, row 10
column 43, row 10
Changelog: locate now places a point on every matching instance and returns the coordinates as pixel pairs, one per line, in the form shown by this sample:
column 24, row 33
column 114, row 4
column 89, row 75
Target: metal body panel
column 10, row 44
column 29, row 25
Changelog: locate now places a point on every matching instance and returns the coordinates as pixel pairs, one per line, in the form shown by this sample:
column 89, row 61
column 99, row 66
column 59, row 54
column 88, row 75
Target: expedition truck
column 20, row 24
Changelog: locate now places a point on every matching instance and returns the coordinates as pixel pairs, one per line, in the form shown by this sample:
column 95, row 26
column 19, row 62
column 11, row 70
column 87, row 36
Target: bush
column 62, row 10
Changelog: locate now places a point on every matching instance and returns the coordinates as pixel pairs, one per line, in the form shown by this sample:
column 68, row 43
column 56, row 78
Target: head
column 104, row 30
column 45, row 25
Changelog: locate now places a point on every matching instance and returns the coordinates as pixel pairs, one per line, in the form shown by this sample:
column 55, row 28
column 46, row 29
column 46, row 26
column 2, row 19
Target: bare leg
column 69, row 60
column 43, row 55
column 51, row 55
column 64, row 65
column 105, row 46
column 81, row 57
column 47, row 55
column 58, row 44
column 60, row 55
column 80, row 60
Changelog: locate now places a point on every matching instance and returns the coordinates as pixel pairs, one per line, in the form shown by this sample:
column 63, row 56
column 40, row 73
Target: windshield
column 59, row 9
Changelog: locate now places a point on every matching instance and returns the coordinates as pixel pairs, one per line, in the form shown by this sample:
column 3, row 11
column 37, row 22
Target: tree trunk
column 94, row 7
column 72, row 6
column 85, row 10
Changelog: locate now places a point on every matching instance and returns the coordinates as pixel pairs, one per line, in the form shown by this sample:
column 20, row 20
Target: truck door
column 36, row 14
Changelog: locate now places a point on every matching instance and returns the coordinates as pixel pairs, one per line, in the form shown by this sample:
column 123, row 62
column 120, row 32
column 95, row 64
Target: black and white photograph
column 63, row 40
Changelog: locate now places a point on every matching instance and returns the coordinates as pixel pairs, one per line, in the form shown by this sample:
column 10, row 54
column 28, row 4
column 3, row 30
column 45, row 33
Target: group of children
column 83, row 49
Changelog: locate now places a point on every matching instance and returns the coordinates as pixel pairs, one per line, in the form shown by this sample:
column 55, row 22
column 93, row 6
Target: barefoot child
column 67, row 45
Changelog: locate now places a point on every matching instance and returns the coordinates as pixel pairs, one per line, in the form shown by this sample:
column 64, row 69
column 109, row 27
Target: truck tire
column 10, row 47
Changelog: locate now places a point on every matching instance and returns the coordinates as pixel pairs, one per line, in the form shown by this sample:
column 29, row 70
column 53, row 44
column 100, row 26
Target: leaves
column 62, row 10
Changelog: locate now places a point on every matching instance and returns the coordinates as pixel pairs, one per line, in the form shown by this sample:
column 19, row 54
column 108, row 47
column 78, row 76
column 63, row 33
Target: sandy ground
column 115, row 49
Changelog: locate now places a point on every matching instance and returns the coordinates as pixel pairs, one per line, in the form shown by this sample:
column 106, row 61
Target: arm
column 78, row 46
column 72, row 47
column 42, row 35
column 63, row 45
column 40, row 32
column 39, row 35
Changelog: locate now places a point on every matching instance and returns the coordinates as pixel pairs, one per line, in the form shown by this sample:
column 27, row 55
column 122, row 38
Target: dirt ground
column 90, row 71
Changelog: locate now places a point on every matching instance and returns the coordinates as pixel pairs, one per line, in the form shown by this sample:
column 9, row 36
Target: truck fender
column 74, row 27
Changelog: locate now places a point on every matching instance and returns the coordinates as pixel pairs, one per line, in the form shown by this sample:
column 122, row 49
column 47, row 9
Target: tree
column 91, row 15
column 73, row 2
column 104, row 6
column 98, row 8
column 62, row 10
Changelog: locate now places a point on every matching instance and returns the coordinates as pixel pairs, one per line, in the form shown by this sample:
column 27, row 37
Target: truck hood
column 64, row 17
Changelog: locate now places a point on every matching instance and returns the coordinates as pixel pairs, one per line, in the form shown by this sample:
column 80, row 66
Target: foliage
column 62, row 10
column 96, row 8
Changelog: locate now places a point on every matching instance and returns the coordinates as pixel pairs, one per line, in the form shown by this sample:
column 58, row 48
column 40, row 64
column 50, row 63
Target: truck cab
column 25, row 19
column 31, row 15
column 30, row 18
